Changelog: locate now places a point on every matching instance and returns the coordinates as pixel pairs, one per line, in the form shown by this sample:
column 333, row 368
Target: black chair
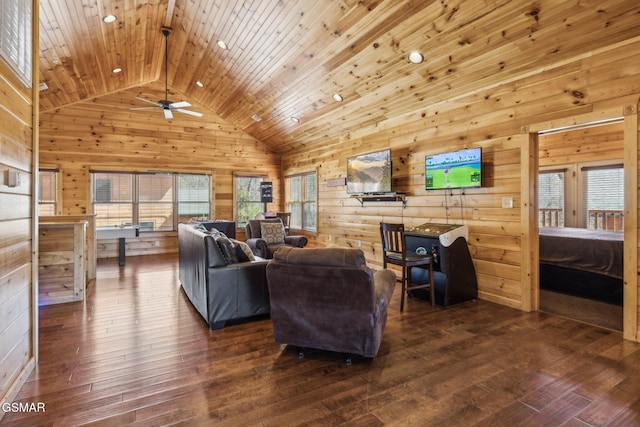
column 286, row 219
column 394, row 252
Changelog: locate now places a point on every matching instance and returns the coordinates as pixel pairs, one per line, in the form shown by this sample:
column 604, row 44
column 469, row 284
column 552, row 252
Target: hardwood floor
column 137, row 353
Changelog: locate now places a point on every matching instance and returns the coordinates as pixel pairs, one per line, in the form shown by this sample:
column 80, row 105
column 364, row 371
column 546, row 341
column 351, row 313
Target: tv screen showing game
column 455, row 169
column 369, row 173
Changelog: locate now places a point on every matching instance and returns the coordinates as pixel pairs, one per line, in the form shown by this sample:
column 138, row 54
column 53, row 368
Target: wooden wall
column 17, row 312
column 496, row 120
column 104, row 134
column 591, row 144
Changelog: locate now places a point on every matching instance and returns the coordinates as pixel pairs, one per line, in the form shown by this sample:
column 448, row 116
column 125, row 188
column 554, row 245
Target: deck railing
column 605, row 219
column 550, row 217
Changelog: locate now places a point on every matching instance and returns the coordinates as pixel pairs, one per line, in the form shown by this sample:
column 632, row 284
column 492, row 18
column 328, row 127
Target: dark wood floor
column 137, row 353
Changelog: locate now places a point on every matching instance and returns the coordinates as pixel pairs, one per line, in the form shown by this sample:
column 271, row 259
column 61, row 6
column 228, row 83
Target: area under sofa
column 220, row 290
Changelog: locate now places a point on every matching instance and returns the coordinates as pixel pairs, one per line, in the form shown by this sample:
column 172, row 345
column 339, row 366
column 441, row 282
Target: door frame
column 627, row 108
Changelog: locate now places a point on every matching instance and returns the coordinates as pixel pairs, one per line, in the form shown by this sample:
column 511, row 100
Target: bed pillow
column 272, row 232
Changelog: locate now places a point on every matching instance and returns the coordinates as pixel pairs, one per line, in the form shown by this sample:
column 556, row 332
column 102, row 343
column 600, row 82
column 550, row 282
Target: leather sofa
column 263, row 248
column 328, row 299
column 219, row 290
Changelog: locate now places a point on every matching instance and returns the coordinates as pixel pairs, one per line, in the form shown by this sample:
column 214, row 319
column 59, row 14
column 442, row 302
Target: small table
column 120, row 233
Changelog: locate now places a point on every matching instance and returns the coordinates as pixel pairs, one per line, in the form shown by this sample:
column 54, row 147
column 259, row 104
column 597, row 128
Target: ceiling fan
column 167, row 106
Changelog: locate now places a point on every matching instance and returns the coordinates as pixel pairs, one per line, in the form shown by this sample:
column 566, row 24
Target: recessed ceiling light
column 199, row 84
column 416, row 58
column 222, row 45
column 337, row 97
column 256, row 117
column 294, row 119
column 116, row 70
column 109, row 18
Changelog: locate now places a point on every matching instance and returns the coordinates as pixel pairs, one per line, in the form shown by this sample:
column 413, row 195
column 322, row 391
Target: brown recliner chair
column 265, row 246
column 328, row 299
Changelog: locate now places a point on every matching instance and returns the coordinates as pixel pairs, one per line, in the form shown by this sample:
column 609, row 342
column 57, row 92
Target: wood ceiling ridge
column 300, row 77
column 238, row 47
column 251, row 83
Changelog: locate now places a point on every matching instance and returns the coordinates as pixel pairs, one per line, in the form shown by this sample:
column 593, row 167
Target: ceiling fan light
column 107, row 19
column 416, row 57
column 222, row 45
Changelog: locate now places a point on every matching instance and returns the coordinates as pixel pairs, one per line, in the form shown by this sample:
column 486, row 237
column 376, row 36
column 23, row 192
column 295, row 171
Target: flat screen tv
column 455, row 169
column 369, row 173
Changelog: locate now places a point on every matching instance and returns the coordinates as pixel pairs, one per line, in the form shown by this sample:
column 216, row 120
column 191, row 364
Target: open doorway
column 581, row 222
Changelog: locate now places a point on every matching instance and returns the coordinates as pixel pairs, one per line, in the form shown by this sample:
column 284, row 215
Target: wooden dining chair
column 394, row 252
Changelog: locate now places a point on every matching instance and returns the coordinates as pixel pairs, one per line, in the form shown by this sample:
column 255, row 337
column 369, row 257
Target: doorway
column 627, row 109
column 581, row 222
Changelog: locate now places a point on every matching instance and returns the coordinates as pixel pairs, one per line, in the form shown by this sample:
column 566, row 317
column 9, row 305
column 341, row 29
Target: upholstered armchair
column 265, row 236
column 328, row 299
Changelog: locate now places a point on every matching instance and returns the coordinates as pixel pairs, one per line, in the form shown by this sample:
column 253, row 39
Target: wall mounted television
column 369, row 173
column 454, row 169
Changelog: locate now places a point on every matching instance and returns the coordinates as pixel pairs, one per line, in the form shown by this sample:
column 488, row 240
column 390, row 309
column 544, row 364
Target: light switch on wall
column 507, row 202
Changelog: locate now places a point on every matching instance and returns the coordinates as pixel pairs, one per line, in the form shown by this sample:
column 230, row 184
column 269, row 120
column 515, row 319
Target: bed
column 581, row 262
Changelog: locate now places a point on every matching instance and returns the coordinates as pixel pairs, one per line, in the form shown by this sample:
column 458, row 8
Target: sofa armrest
column 297, row 241
column 384, row 283
column 259, row 247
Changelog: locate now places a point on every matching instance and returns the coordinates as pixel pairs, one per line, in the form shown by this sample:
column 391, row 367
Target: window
column 551, row 198
column 301, row 191
column 47, row 192
column 248, row 204
column 582, row 195
column 604, row 197
column 156, row 202
column 15, row 36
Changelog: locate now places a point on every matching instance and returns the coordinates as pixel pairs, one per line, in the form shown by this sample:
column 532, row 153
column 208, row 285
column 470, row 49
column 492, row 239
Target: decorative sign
column 266, row 191
column 336, row 182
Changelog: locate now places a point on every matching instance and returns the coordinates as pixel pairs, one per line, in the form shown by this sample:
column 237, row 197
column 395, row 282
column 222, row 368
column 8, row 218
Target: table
column 120, row 233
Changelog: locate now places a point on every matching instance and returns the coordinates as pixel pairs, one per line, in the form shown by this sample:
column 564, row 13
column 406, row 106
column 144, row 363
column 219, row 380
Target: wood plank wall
column 17, row 312
column 493, row 119
column 103, row 134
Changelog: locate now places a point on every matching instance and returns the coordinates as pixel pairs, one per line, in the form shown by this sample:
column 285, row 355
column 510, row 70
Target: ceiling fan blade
column 167, row 113
column 143, row 108
column 146, row 100
column 179, row 104
column 193, row 113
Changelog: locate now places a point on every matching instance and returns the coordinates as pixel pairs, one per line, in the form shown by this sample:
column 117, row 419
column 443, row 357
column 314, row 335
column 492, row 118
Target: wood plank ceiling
column 287, row 58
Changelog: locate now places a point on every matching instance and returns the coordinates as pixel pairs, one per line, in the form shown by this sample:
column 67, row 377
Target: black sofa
column 219, row 290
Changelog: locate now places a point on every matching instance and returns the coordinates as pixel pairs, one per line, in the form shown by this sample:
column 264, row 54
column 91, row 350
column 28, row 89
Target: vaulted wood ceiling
column 286, row 58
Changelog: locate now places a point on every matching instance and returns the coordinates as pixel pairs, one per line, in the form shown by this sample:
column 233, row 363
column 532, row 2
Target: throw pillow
column 226, row 247
column 272, row 232
column 244, row 248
